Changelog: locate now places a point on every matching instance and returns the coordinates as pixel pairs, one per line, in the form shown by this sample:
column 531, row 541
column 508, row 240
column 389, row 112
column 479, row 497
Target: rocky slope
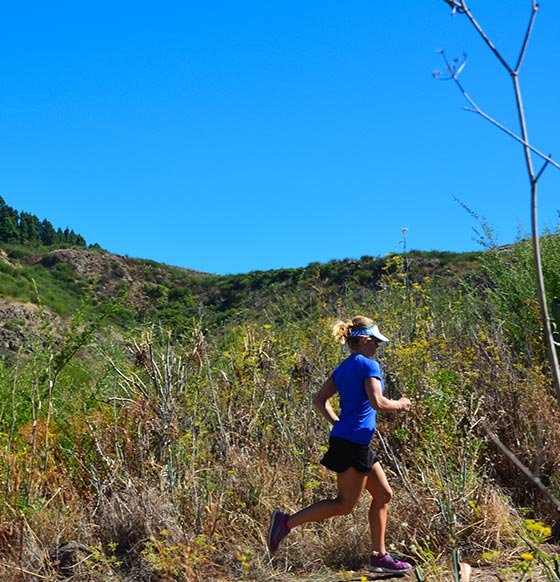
column 78, row 272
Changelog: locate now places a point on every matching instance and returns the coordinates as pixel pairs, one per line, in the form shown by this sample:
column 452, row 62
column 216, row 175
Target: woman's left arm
column 321, row 400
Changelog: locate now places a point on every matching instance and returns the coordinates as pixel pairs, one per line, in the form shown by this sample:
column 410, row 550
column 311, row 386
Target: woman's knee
column 382, row 496
column 379, row 487
column 386, row 496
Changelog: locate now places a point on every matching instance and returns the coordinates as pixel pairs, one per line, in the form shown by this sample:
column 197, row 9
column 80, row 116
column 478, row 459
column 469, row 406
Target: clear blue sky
column 229, row 137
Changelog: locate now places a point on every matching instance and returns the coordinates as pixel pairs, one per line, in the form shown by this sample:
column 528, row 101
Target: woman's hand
column 405, row 403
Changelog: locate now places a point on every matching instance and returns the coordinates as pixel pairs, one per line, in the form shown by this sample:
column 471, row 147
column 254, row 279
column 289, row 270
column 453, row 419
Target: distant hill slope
column 48, row 273
column 60, row 281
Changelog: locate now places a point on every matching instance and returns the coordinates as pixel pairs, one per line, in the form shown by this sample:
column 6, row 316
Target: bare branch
column 527, row 37
column 485, row 38
column 533, row 478
column 542, row 169
column 453, row 70
column 547, row 159
column 455, row 6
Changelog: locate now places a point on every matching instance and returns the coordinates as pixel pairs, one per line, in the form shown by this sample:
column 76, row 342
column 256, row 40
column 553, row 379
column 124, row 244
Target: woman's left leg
column 350, row 485
column 381, row 493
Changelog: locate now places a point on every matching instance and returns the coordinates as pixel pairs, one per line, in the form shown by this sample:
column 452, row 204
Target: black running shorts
column 343, row 454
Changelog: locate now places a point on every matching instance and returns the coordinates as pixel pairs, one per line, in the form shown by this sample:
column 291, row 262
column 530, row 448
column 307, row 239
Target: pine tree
column 47, row 233
column 9, row 230
column 25, row 228
column 29, row 228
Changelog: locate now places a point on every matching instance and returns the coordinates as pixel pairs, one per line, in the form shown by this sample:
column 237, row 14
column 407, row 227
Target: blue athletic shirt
column 357, row 418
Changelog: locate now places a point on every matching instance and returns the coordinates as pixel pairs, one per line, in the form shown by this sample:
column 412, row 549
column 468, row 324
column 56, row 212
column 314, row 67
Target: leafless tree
column 454, row 69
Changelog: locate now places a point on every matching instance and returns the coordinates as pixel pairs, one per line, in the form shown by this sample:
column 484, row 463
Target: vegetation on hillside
column 154, row 447
column 62, row 279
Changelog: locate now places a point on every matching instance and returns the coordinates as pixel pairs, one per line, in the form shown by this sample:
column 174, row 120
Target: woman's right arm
column 379, row 402
column 322, row 403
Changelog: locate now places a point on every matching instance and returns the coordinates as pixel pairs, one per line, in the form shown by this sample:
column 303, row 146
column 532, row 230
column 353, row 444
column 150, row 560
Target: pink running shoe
column 387, row 564
column 278, row 530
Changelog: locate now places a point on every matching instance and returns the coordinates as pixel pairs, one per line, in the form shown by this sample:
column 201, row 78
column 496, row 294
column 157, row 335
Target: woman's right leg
column 381, row 494
column 350, row 485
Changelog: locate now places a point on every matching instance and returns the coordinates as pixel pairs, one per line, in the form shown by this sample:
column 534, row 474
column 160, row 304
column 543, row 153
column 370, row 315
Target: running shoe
column 388, row 564
column 278, row 530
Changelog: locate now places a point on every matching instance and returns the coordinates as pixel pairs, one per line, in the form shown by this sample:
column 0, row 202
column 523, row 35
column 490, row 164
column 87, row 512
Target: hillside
column 62, row 280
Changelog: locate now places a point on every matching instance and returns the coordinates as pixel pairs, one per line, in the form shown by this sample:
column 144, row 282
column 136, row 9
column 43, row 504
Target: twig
column 537, row 152
column 454, row 76
column 22, row 570
column 527, row 37
column 533, row 478
column 485, row 38
column 399, row 471
column 542, row 169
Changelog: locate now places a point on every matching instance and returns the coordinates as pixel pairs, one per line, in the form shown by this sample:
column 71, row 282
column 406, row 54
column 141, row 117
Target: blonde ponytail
column 342, row 329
